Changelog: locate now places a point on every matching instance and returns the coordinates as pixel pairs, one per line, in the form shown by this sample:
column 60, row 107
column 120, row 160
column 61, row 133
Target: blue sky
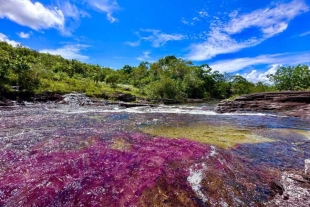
column 251, row 38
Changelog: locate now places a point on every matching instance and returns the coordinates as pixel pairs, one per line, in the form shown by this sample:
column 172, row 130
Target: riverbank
column 290, row 103
column 122, row 99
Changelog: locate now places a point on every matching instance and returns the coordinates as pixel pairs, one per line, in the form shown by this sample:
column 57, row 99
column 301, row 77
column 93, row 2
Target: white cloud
column 158, row 38
column 145, row 56
column 4, row 38
column 71, row 10
column 33, row 15
column 196, row 19
column 184, row 21
column 255, row 76
column 233, row 65
column 24, row 35
column 133, row 44
column 269, row 22
column 106, row 6
column 218, row 43
column 203, row 13
column 68, row 52
column 305, row 34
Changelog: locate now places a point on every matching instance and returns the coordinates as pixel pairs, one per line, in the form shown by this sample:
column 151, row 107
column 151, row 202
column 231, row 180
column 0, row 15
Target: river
column 180, row 155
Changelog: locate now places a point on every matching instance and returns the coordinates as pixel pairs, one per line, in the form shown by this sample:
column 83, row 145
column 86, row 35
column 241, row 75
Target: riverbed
column 180, row 155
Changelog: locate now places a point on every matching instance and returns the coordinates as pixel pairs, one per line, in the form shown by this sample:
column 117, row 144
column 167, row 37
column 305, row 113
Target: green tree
column 193, row 86
column 240, row 85
column 112, row 79
column 165, row 88
column 291, row 78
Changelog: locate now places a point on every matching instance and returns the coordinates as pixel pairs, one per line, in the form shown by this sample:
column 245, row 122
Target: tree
column 240, row 85
column 112, row 79
column 127, row 69
column 165, row 88
column 193, row 86
column 222, row 86
column 291, row 78
column 261, row 87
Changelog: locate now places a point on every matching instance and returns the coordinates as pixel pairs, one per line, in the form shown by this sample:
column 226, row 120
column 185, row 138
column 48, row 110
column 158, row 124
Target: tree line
column 29, row 71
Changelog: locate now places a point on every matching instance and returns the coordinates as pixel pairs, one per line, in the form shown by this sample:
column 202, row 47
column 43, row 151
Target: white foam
column 213, row 151
column 150, row 110
column 195, row 177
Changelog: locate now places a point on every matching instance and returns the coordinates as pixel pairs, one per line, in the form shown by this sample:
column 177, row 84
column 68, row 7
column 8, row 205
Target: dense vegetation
column 168, row 78
column 291, row 78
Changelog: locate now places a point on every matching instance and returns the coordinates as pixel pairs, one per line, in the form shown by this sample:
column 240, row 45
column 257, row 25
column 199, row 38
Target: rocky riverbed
column 81, row 153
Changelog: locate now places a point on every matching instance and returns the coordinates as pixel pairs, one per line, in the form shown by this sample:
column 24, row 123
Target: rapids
column 181, row 155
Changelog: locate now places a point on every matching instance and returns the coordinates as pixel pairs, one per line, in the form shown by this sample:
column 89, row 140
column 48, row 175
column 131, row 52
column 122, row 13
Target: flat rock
column 125, row 97
column 291, row 103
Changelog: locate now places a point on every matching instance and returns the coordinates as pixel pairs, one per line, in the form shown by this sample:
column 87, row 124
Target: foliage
column 167, row 78
column 291, row 78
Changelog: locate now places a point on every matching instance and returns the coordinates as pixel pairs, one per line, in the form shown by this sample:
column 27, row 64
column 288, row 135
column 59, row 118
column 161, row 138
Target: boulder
column 76, row 99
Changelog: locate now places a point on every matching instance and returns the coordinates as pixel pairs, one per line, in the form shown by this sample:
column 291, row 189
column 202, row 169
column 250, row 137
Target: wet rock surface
column 288, row 103
column 125, row 97
column 295, row 190
column 57, row 155
column 76, row 99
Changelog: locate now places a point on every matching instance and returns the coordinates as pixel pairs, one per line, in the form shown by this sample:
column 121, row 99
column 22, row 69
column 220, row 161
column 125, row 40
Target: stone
column 307, row 166
column 48, row 97
column 291, row 103
column 276, row 188
column 125, row 97
column 6, row 102
column 169, row 101
column 77, row 99
column 297, row 192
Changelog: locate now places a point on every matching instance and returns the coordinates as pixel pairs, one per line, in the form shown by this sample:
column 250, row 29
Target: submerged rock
column 292, row 103
column 297, row 191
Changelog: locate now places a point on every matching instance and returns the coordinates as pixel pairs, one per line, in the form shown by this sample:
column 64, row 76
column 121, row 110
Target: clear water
column 53, row 155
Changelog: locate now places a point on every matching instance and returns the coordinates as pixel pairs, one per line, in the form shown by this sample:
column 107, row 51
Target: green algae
column 221, row 136
column 305, row 134
column 120, row 144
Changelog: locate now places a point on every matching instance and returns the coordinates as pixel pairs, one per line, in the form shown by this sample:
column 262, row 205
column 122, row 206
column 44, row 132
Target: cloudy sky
column 251, row 38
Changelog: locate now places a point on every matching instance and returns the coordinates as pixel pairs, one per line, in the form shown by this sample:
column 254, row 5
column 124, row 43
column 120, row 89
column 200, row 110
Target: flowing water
column 181, row 155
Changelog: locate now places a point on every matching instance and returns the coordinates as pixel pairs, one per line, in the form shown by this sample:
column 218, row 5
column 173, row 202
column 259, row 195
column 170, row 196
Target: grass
column 87, row 86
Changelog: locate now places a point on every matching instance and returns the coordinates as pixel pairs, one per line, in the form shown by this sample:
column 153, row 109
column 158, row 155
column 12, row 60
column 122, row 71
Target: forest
column 28, row 71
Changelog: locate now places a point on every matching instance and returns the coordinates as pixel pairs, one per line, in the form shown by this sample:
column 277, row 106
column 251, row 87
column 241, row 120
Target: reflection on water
column 53, row 155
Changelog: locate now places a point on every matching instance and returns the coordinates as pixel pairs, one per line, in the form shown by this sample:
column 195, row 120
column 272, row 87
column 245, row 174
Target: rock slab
column 307, row 166
column 292, row 103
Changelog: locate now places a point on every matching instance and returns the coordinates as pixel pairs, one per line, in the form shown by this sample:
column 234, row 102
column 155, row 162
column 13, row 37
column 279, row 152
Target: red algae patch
column 93, row 176
column 152, row 172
